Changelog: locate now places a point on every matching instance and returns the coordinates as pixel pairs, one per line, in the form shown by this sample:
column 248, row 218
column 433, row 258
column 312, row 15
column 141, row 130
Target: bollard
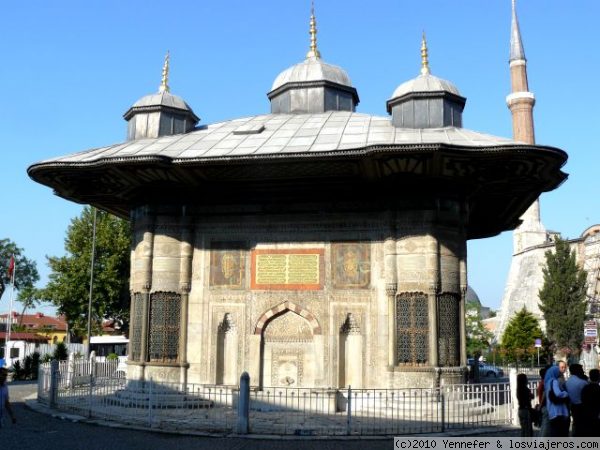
column 514, row 404
column 243, row 419
column 53, row 382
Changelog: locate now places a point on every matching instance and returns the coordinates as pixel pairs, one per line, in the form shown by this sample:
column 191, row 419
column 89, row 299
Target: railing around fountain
column 273, row 411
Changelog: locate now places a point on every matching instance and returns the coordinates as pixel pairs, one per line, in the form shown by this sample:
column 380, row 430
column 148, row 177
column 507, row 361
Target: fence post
column 514, row 404
column 53, row 382
column 443, row 400
column 243, row 419
column 150, row 383
column 349, row 415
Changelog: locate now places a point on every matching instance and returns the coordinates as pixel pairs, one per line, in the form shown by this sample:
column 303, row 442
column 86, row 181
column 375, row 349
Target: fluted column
column 434, row 290
column 185, row 283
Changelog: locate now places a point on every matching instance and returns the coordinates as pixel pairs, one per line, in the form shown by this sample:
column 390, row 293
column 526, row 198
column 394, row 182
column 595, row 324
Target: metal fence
column 274, row 411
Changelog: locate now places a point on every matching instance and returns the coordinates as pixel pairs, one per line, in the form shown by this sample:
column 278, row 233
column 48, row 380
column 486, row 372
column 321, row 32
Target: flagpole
column 9, row 319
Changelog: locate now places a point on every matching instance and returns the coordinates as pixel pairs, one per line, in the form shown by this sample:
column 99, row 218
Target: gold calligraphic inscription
column 287, row 269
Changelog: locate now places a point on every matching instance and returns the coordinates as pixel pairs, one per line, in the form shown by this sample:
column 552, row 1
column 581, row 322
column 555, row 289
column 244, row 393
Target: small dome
column 425, row 83
column 312, row 69
column 162, row 99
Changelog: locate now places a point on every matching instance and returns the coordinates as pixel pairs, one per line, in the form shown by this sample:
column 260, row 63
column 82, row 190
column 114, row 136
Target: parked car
column 488, row 370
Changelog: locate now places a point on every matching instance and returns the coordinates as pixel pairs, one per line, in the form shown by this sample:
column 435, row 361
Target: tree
column 25, row 270
column 478, row 337
column 69, row 280
column 518, row 339
column 562, row 298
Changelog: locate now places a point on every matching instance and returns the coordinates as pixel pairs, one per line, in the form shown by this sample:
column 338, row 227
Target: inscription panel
column 294, row 269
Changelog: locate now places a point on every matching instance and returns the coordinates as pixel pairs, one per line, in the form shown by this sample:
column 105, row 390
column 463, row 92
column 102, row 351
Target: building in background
column 531, row 240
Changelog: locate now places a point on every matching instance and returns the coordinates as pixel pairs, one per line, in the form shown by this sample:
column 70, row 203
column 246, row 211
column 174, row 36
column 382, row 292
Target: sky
column 70, row 69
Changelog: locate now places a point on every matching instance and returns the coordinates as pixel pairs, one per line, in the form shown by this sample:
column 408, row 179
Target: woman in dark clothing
column 590, row 410
column 524, row 397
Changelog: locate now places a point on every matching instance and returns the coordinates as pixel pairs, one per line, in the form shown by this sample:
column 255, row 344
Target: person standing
column 589, row 358
column 545, row 423
column 4, row 399
column 524, row 397
column 574, row 385
column 556, row 403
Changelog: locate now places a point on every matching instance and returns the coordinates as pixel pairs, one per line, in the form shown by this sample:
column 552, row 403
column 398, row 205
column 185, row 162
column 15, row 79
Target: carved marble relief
column 227, row 265
column 351, row 265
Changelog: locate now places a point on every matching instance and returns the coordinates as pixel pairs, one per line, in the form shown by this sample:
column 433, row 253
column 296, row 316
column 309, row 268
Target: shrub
column 60, row 352
column 112, row 357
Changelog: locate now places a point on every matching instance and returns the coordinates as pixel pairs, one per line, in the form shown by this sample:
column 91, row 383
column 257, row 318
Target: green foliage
column 26, row 274
column 562, row 298
column 518, row 341
column 478, row 337
column 18, row 371
column 46, row 358
column 69, row 283
column 112, row 357
column 60, row 352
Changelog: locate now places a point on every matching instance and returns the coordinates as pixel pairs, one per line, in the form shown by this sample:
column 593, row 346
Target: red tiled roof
column 37, row 321
column 28, row 337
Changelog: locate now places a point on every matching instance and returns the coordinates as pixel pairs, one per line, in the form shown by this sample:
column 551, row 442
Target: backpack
column 556, row 399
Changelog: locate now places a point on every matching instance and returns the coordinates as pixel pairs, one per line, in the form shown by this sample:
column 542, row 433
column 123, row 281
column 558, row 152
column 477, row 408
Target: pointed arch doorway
column 287, row 347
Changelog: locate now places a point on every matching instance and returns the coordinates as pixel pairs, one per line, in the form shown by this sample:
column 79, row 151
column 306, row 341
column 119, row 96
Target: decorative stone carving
column 227, row 265
column 351, row 265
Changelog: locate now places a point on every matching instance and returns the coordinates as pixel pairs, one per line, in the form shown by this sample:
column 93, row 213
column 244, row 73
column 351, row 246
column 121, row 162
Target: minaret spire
column 164, row 84
column 516, row 45
column 313, row 52
column 424, row 56
column 520, row 101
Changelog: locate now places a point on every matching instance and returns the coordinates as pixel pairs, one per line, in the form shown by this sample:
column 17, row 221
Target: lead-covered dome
column 312, row 86
column 160, row 114
column 425, row 83
column 426, row 101
column 312, row 69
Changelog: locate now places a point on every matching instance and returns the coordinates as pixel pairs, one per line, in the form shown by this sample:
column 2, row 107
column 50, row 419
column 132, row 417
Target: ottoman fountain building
column 312, row 246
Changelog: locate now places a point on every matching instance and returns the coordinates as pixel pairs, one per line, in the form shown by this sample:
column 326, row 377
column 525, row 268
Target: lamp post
column 89, row 318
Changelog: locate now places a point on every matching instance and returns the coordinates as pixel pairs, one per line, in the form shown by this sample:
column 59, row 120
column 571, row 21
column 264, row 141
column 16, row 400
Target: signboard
column 590, row 332
column 589, row 324
column 590, row 340
column 538, row 343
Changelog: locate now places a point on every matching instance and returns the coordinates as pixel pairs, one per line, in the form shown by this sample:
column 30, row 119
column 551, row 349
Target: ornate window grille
column 135, row 331
column 165, row 319
column 412, row 328
column 448, row 330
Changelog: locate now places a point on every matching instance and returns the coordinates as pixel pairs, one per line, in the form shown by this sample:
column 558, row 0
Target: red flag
column 11, row 268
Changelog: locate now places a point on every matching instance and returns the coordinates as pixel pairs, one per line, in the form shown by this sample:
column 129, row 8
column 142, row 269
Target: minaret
column 520, row 102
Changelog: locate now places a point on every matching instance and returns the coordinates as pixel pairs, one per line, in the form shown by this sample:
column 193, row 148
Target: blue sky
column 70, row 69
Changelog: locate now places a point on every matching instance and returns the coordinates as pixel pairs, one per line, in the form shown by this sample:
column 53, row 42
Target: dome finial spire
column 164, row 84
column 313, row 52
column 424, row 56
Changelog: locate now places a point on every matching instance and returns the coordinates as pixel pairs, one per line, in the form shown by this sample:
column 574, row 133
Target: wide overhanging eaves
column 499, row 183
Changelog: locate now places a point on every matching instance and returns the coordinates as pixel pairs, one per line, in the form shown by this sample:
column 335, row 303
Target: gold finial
column 164, row 84
column 424, row 58
column 313, row 52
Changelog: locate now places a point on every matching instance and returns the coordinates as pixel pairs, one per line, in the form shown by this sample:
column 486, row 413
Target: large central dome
column 312, row 69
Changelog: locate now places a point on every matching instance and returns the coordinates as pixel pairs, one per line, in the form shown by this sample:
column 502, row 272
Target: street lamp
column 89, row 318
